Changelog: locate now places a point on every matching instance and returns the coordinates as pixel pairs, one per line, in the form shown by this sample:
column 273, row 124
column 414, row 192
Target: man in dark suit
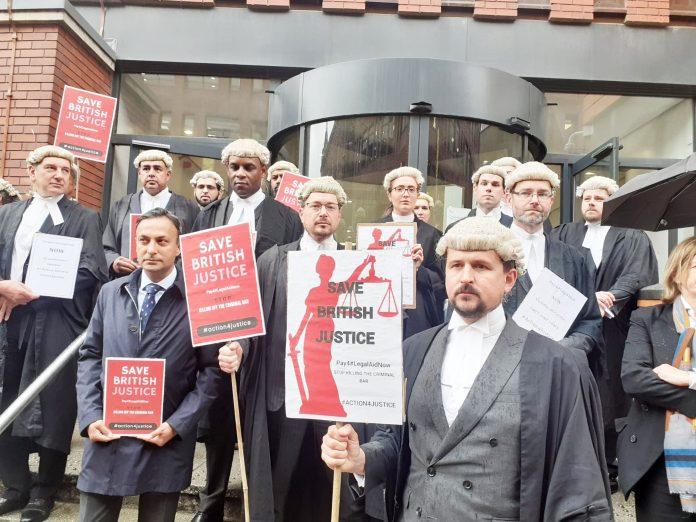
column 402, row 186
column 530, row 193
column 287, row 479
column 154, row 171
column 501, row 423
column 624, row 262
column 274, row 224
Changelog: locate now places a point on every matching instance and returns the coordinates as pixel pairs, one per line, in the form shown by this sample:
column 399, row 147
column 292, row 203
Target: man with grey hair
column 402, row 186
column 39, row 328
column 624, row 262
column 530, row 193
column 154, row 172
column 207, row 187
column 501, row 423
column 284, row 452
column 275, row 224
column 276, row 171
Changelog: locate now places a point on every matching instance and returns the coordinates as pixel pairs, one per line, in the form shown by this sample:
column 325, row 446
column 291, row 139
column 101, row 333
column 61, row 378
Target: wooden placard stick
column 240, row 447
column 336, row 493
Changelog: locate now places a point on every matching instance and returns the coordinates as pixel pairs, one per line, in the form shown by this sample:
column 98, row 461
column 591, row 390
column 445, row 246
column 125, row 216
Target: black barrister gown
column 48, row 325
column 117, row 231
column 628, row 264
column 430, row 282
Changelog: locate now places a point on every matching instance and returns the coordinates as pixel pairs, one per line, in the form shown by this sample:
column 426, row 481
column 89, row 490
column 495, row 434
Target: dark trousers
column 152, row 507
column 219, row 438
column 654, row 502
column 15, row 451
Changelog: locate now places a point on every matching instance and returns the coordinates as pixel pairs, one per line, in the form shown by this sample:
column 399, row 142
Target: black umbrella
column 658, row 200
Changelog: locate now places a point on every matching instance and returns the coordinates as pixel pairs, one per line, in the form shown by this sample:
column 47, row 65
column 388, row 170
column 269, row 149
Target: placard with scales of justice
column 343, row 351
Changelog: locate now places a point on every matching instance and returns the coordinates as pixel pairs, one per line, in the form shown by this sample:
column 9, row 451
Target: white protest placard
column 393, row 236
column 551, row 306
column 344, row 360
column 53, row 265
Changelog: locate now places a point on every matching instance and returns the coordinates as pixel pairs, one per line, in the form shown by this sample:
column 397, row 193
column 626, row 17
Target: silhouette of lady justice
column 321, row 397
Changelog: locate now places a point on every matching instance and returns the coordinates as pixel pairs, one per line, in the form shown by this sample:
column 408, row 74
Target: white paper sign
column 53, row 265
column 343, row 351
column 393, row 236
column 551, row 306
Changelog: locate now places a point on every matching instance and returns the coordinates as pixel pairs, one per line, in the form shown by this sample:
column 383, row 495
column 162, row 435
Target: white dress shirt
column 468, row 347
column 495, row 213
column 594, row 241
column 243, row 209
column 308, row 244
column 164, row 283
column 160, row 200
column 32, row 219
column 534, row 247
column 403, row 219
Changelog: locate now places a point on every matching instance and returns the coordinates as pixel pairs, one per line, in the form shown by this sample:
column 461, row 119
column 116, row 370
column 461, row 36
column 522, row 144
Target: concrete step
column 69, row 497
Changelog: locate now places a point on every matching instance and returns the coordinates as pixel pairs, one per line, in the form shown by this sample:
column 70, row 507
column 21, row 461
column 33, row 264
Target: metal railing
column 13, row 410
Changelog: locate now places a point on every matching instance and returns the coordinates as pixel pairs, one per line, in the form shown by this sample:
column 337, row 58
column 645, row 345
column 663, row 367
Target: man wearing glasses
column 530, row 193
column 402, row 186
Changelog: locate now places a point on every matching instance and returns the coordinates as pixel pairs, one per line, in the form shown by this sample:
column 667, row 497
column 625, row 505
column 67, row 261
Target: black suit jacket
column 652, row 339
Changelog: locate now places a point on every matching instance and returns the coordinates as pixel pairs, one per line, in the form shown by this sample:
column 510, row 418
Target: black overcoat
column 48, row 325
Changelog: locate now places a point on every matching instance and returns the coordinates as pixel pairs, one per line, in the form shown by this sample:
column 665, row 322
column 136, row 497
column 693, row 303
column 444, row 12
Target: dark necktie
column 148, row 304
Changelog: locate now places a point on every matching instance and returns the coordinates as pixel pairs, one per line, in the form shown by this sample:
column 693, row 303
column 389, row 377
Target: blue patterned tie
column 151, row 290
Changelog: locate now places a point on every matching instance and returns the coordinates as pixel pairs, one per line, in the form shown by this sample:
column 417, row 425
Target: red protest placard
column 222, row 288
column 133, row 395
column 289, row 188
column 85, row 123
column 132, row 251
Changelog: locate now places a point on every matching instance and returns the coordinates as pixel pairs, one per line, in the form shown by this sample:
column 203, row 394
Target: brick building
column 353, row 88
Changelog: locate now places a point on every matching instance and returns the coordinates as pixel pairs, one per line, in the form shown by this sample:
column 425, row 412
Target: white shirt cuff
column 692, row 379
column 360, row 479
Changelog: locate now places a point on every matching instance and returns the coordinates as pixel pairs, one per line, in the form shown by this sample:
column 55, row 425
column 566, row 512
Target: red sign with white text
column 132, row 251
column 85, row 123
column 289, row 189
column 133, row 395
column 222, row 288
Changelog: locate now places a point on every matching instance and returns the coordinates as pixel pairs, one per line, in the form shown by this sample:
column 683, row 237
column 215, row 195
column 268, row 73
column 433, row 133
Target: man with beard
column 275, row 174
column 207, row 187
column 287, row 480
column 39, row 328
column 154, row 171
column 274, row 224
column 530, row 193
column 501, row 423
column 624, row 262
column 402, row 186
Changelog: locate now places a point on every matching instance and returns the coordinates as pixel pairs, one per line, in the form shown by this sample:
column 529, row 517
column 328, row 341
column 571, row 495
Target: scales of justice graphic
column 317, row 386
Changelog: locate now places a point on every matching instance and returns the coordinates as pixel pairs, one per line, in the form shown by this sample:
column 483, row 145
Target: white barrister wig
column 532, row 170
column 154, row 155
column 401, row 172
column 482, row 234
column 283, row 165
column 489, row 169
column 39, row 154
column 207, row 174
column 428, row 198
column 325, row 184
column 507, row 161
column 597, row 182
column 246, row 148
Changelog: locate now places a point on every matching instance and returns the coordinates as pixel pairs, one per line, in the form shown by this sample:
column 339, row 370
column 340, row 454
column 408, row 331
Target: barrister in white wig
column 154, row 172
column 276, row 171
column 624, row 262
column 531, row 190
column 246, row 161
column 207, row 187
column 501, row 423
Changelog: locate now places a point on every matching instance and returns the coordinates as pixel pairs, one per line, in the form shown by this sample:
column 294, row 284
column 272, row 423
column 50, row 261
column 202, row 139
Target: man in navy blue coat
column 129, row 322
